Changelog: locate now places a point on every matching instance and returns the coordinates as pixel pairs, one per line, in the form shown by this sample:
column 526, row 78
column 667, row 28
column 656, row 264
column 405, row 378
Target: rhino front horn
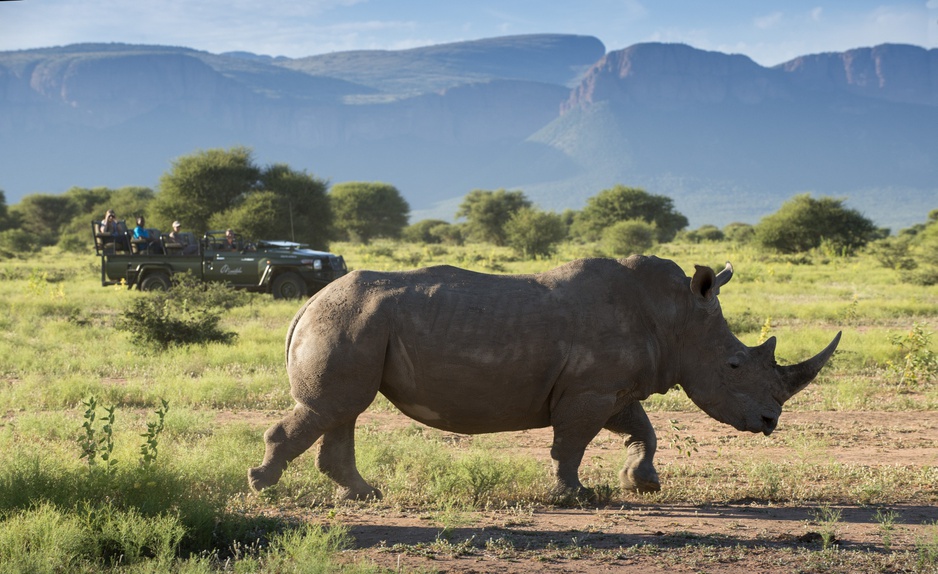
column 797, row 377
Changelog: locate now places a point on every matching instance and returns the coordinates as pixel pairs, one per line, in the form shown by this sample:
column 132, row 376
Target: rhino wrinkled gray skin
column 575, row 348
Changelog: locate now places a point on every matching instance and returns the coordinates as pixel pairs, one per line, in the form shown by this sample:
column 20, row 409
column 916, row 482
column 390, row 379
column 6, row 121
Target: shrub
column 534, row 233
column 18, row 241
column 621, row 203
column 704, row 233
column 738, row 232
column 629, row 237
column 424, row 231
column 804, row 223
column 186, row 313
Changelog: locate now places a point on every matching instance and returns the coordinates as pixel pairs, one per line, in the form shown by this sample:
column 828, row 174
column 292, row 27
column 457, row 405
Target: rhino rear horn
column 797, row 377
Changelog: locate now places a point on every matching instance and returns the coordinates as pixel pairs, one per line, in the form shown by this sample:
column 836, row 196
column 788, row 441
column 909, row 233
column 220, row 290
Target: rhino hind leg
column 638, row 474
column 336, row 459
column 285, row 441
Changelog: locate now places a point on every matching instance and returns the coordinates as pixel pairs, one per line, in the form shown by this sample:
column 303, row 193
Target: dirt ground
column 638, row 535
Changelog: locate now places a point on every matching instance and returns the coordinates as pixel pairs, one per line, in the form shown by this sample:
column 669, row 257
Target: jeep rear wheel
column 156, row 281
column 288, row 286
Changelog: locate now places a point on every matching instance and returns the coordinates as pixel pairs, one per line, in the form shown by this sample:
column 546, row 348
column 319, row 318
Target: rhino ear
column 706, row 284
column 703, row 283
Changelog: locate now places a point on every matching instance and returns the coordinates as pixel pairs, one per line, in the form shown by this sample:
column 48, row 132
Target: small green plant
column 887, row 522
column 92, row 445
column 828, row 518
column 917, row 363
column 686, row 445
column 852, row 313
column 106, row 444
column 89, row 443
column 927, row 547
column 150, row 447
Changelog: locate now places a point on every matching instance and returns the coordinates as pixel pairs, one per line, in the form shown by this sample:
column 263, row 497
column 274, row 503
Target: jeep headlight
column 314, row 263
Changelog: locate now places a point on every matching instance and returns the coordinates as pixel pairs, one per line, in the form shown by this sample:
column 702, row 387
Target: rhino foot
column 641, row 478
column 261, row 477
column 565, row 495
column 365, row 493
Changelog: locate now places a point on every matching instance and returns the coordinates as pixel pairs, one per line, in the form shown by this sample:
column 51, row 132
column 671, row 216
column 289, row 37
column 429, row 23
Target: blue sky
column 769, row 31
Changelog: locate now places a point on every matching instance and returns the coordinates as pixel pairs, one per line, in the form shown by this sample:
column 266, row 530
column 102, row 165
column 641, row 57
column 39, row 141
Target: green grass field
column 190, row 510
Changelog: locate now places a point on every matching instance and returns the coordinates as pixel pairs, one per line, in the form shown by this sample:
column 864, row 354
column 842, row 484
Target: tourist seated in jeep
column 179, row 243
column 143, row 241
column 111, row 233
column 231, row 242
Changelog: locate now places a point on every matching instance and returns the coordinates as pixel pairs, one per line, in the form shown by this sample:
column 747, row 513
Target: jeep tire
column 288, row 286
column 156, row 281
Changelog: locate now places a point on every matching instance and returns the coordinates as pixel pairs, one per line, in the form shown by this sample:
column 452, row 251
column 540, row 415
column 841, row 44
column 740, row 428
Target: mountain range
column 553, row 115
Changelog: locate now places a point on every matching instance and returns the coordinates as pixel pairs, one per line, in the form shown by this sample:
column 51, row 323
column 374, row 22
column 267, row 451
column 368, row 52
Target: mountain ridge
column 554, row 115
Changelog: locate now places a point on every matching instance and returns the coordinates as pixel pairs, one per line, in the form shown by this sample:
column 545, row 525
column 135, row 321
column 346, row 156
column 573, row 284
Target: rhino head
column 738, row 385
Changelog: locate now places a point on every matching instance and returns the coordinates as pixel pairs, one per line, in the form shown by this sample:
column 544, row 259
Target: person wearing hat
column 175, row 235
column 180, row 240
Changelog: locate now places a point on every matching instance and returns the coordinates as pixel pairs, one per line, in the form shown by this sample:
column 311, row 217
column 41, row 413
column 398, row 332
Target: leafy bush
column 621, row 203
column 629, row 237
column 704, row 233
column 534, row 233
column 18, row 241
column 738, row 232
column 187, row 313
column 423, row 231
column 804, row 223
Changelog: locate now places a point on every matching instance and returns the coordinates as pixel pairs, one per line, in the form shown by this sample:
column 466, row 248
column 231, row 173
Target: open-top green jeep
column 281, row 268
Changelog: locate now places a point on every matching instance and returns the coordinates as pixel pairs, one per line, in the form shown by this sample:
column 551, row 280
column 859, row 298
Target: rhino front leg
column 285, row 441
column 336, row 459
column 638, row 474
column 576, row 422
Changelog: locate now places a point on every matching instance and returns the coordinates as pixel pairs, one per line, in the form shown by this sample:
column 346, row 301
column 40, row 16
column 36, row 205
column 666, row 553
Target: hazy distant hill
column 553, row 115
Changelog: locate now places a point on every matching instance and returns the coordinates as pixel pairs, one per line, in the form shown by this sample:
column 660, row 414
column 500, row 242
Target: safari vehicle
column 281, row 268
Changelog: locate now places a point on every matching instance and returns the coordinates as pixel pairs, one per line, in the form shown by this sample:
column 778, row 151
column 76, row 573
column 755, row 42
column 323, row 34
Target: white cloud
column 769, row 21
column 817, row 13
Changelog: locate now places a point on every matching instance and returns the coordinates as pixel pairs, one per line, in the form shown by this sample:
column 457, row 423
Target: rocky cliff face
column 666, row 75
column 897, row 73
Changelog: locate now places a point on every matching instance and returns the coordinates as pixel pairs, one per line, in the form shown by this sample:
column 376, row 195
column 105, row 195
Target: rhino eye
column 733, row 362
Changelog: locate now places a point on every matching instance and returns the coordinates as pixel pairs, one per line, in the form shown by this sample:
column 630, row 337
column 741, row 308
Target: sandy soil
column 638, row 535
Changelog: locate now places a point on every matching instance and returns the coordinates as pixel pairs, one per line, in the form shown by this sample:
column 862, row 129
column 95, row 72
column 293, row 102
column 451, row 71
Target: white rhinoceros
column 575, row 348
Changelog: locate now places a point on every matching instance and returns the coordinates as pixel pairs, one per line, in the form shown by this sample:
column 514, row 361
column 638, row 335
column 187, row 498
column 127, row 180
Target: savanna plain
column 119, row 457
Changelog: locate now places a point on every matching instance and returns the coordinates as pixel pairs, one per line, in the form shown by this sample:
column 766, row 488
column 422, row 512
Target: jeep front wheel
column 288, row 286
column 156, row 281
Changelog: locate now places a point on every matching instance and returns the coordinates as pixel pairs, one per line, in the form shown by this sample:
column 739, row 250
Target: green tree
column 705, row 233
column 534, row 233
column 258, row 216
column 622, row 203
column 44, row 216
column 364, row 210
column 203, row 184
column 4, row 213
column 738, row 232
column 487, row 212
column 308, row 215
column 289, row 204
column 625, row 238
column 804, row 223
column 424, row 231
